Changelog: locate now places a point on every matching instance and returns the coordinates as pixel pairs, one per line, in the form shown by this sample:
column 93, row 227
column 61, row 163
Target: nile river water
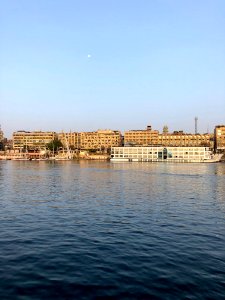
column 97, row 230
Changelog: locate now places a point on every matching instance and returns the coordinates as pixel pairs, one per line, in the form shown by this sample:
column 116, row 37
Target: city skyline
column 160, row 131
column 89, row 65
column 8, row 134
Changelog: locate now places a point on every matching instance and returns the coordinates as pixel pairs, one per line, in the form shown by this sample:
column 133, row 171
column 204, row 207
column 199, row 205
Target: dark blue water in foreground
column 95, row 230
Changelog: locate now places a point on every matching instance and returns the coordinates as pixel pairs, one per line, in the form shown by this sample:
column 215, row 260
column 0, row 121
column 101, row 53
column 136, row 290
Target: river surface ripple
column 98, row 230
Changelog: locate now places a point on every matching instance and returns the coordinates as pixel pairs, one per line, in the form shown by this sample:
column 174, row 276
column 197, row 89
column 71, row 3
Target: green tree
column 54, row 145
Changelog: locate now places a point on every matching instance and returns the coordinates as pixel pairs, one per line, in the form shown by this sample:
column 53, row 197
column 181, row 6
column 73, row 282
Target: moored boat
column 163, row 154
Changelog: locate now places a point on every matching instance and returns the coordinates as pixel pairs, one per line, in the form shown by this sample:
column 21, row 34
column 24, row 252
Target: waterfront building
column 101, row 140
column 70, row 139
column 141, row 137
column 150, row 137
column 219, row 136
column 181, row 139
column 32, row 139
column 161, row 154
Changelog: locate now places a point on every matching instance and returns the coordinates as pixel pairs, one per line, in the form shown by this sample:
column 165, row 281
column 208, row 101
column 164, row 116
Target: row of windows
column 33, row 140
column 32, row 136
column 146, row 149
column 156, row 153
column 158, row 156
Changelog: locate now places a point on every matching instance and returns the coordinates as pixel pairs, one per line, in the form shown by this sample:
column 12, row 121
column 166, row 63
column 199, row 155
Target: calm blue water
column 95, row 230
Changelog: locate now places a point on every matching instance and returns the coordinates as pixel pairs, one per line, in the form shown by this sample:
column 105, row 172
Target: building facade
column 101, row 140
column 141, row 137
column 151, row 137
column 32, row 140
column 70, row 139
column 219, row 137
column 180, row 139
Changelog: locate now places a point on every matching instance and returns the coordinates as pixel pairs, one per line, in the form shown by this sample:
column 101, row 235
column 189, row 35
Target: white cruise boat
column 163, row 154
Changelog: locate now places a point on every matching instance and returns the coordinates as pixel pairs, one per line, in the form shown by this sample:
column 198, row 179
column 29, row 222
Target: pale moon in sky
column 89, row 56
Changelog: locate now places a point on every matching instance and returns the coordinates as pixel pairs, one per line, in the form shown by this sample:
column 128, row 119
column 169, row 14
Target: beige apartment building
column 141, row 137
column 33, row 139
column 219, row 137
column 100, row 139
column 180, row 139
column 150, row 137
column 70, row 139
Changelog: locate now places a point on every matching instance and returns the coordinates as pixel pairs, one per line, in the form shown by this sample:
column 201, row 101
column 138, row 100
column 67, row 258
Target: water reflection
column 220, row 169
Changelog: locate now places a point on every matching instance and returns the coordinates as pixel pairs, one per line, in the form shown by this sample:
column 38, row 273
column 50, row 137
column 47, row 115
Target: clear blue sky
column 119, row 64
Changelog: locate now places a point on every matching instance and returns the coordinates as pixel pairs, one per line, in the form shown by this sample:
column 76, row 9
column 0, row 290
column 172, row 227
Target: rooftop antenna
column 196, row 125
